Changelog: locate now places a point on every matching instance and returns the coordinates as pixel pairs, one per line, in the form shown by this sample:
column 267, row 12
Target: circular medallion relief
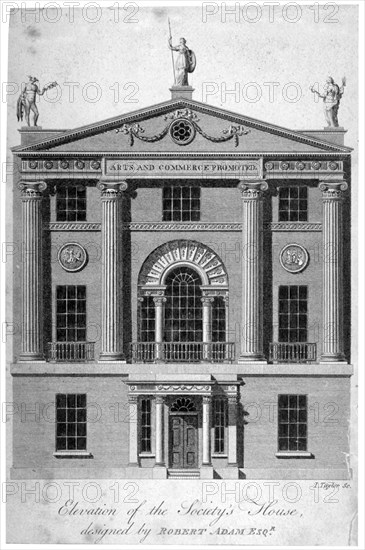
column 294, row 258
column 72, row 257
column 182, row 131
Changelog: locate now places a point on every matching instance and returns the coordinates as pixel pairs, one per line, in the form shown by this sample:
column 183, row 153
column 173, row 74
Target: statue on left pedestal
column 27, row 99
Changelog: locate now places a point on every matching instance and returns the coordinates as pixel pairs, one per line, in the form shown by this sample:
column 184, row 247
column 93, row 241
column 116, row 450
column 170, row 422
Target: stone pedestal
column 32, row 298
column 184, row 92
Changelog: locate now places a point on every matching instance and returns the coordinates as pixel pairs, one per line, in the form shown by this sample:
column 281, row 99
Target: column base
column 159, row 471
column 252, row 358
column 31, row 358
column 111, row 357
column 329, row 358
column 206, row 471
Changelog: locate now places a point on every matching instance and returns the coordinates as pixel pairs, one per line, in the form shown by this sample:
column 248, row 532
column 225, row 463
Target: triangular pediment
column 213, row 130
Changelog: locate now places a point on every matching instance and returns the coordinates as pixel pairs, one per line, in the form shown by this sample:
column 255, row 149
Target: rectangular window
column 71, row 203
column 219, row 424
column 219, row 320
column 292, row 423
column 147, row 320
column 293, row 204
column 146, row 425
column 181, row 203
column 70, row 422
column 293, row 310
column 71, row 313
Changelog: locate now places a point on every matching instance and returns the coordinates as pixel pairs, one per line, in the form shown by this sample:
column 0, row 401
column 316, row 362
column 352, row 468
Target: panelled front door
column 184, row 441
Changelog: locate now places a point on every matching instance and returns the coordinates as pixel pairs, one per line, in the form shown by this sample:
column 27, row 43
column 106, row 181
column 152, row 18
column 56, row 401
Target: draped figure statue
column 185, row 62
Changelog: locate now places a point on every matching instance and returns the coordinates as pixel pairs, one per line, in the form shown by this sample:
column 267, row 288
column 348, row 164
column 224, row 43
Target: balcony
column 183, row 352
column 297, row 352
column 70, row 352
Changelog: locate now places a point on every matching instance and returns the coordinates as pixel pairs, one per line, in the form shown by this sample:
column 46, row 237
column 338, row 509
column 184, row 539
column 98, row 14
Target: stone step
column 183, row 474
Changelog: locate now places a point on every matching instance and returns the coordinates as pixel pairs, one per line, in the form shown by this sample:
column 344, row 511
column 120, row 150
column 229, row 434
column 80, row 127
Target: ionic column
column 206, row 430
column 133, row 430
column 207, row 326
column 159, row 316
column 32, row 299
column 232, row 430
column 111, row 333
column 332, row 195
column 160, row 460
column 252, row 275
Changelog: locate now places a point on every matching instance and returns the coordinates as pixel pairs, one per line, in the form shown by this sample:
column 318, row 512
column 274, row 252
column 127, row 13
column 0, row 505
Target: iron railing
column 70, row 352
column 296, row 352
column 182, row 352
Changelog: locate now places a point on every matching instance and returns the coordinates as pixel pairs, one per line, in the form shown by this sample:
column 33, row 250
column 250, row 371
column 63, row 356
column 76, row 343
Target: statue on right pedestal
column 332, row 94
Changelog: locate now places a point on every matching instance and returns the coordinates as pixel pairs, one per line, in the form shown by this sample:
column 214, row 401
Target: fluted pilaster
column 32, row 299
column 232, row 429
column 133, row 430
column 252, row 275
column 160, row 459
column 206, row 430
column 332, row 196
column 111, row 329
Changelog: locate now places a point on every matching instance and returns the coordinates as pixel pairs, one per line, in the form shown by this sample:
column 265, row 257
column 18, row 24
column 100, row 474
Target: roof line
column 155, row 110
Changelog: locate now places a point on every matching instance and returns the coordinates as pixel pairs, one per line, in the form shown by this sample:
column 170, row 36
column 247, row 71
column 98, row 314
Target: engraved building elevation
column 182, row 294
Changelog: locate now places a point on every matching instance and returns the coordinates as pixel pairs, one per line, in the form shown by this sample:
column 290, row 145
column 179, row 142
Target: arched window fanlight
column 183, row 404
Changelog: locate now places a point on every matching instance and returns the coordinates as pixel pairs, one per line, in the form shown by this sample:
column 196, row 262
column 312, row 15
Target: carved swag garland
column 182, row 127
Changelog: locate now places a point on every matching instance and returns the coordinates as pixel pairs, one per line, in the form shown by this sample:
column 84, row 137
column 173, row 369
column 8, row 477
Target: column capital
column 32, row 189
column 253, row 190
column 132, row 399
column 233, row 399
column 160, row 399
column 111, row 189
column 207, row 300
column 207, row 399
column 333, row 189
column 159, row 300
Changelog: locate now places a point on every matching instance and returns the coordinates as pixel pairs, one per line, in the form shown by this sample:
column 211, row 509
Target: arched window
column 183, row 307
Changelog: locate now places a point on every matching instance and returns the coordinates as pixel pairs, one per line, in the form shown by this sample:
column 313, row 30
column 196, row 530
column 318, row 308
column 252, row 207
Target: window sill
column 72, row 454
column 294, row 454
column 147, row 455
column 219, row 455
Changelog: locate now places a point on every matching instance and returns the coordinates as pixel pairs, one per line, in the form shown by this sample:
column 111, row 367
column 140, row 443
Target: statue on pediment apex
column 185, row 62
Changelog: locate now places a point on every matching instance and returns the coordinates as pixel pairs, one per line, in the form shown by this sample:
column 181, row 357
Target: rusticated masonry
column 111, row 329
column 252, row 276
column 332, row 195
column 32, row 313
